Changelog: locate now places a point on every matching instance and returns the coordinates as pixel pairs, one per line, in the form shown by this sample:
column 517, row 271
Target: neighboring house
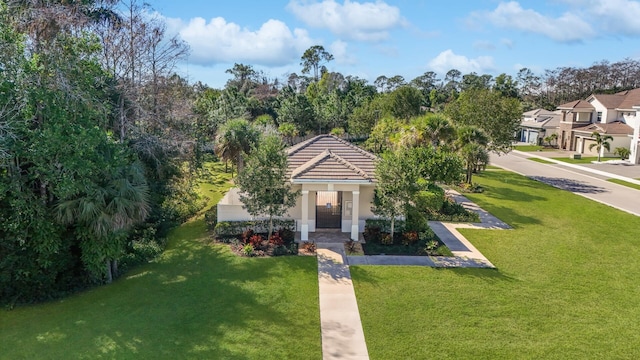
column 337, row 183
column 617, row 115
column 538, row 124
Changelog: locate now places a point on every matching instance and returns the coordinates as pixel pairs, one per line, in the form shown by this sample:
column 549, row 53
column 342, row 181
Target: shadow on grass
column 488, row 275
column 570, row 185
column 510, row 216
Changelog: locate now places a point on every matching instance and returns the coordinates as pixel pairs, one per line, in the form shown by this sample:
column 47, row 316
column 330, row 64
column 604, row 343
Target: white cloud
column 484, row 45
column 367, row 21
column 342, row 55
column 614, row 16
column 507, row 42
column 569, row 27
column 219, row 41
column 448, row 60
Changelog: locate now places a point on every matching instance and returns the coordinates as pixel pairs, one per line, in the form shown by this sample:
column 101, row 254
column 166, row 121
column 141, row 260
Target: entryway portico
column 343, row 205
column 336, row 181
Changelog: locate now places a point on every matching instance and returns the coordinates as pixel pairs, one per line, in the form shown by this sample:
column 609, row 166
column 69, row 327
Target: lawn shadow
column 511, row 217
column 570, row 185
column 485, row 274
column 505, row 193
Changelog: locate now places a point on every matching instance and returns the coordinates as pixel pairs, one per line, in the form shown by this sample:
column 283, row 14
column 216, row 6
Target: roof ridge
column 301, row 145
column 351, row 166
column 311, row 163
column 357, row 148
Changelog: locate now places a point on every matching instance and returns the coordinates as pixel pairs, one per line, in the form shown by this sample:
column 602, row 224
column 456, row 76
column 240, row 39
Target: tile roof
column 622, row 100
column 631, row 99
column 326, row 157
column 577, row 104
column 612, row 128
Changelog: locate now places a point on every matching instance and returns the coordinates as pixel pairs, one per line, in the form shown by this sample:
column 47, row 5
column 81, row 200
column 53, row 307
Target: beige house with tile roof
column 616, row 115
column 537, row 124
column 336, row 180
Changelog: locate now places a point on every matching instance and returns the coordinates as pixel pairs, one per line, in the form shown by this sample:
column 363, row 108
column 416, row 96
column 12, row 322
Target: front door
column 329, row 209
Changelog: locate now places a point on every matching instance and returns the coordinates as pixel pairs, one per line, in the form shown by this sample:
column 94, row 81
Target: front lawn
column 196, row 301
column 530, row 148
column 542, row 161
column 566, row 285
column 584, row 160
column 625, row 183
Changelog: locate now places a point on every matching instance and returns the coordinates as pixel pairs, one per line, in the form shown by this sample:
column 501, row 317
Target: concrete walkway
column 342, row 334
column 464, row 253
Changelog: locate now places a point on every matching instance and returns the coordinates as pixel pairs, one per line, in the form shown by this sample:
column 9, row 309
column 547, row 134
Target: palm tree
column 104, row 213
column 235, row 139
column 472, row 145
column 431, row 129
column 602, row 141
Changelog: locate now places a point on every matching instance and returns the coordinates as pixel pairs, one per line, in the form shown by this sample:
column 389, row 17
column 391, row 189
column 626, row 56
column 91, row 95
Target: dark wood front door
column 329, row 209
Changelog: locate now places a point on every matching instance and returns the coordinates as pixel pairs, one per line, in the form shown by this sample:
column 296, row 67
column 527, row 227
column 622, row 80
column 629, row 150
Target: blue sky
column 369, row 38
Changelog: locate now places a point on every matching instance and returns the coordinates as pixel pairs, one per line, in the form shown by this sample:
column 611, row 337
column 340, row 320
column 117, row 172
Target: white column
column 304, row 226
column 355, row 215
column 634, row 140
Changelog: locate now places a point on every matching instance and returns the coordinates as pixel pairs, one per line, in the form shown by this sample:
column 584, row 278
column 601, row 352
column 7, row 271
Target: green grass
column 584, row 160
column 196, row 301
column 528, row 148
column 542, row 161
column 566, row 286
column 625, row 183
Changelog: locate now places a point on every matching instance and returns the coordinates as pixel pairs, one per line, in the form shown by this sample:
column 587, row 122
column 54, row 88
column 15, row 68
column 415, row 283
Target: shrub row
column 230, row 229
column 384, row 225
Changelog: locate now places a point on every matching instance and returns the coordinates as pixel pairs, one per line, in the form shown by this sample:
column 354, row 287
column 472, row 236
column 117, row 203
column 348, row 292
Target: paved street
column 581, row 182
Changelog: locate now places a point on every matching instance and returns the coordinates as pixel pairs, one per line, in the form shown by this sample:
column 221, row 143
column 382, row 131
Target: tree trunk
column 270, row 228
column 114, row 268
column 240, row 163
column 109, row 273
column 393, row 226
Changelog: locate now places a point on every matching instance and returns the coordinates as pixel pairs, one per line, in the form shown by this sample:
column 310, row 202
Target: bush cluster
column 250, row 243
column 226, row 230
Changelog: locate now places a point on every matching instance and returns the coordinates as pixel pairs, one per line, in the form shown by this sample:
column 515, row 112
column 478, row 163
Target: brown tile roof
column 612, row 128
column 326, row 157
column 631, row 99
column 575, row 105
column 624, row 100
column 610, row 101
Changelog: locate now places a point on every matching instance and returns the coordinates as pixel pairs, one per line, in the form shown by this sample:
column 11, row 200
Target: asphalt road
column 582, row 183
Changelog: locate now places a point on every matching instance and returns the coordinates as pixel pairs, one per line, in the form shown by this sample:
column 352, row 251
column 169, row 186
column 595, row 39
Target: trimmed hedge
column 229, row 229
column 384, row 225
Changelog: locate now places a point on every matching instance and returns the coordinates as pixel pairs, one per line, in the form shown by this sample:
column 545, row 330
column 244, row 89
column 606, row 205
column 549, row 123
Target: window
column 599, row 119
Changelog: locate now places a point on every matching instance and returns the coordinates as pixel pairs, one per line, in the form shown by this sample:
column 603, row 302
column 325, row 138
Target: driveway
column 577, row 180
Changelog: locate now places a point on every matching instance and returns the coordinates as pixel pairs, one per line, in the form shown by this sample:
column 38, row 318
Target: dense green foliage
column 264, row 188
column 79, row 191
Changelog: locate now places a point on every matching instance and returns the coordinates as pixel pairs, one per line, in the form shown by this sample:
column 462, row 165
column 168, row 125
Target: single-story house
column 336, row 180
column 538, row 124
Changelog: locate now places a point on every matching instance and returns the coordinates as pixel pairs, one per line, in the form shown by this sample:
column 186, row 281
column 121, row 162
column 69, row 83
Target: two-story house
column 537, row 124
column 617, row 115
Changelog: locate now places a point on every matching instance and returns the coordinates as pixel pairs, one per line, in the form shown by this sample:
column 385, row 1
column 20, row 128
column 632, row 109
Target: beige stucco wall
column 618, row 141
column 230, row 207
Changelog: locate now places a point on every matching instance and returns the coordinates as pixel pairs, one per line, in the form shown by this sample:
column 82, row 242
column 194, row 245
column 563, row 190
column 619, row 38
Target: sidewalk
column 341, row 328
